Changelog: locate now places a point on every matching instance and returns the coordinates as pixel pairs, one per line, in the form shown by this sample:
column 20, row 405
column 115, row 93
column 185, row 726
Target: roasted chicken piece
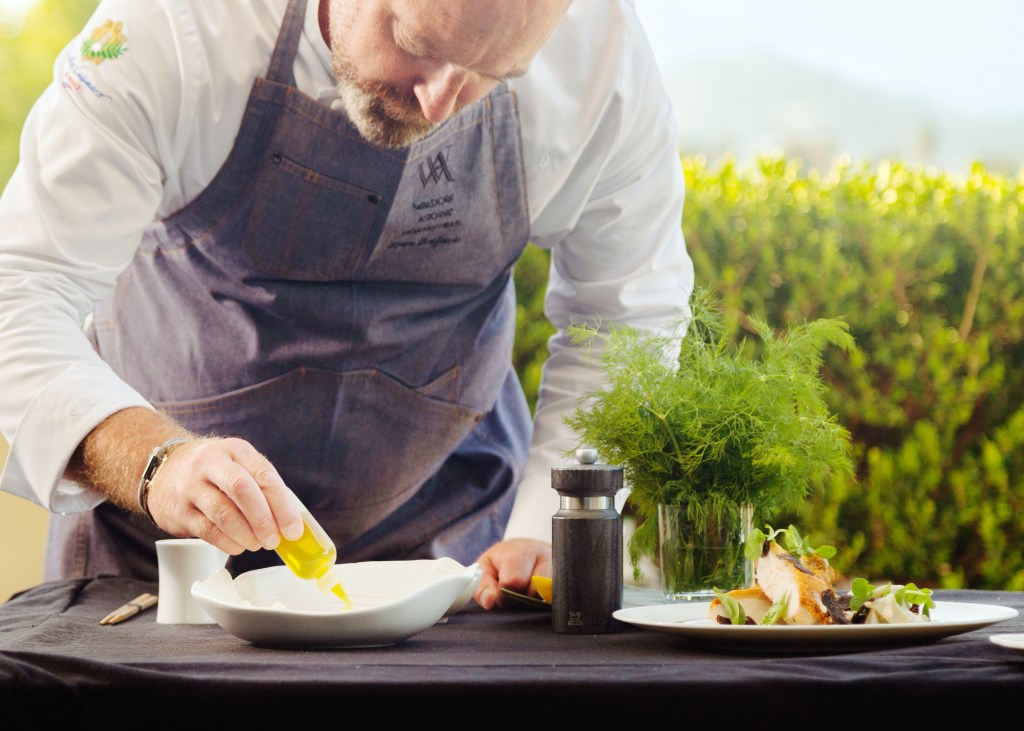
column 820, row 567
column 804, row 584
column 809, row 594
column 755, row 604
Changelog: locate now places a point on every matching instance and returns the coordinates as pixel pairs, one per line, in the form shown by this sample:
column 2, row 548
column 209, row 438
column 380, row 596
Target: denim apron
column 349, row 310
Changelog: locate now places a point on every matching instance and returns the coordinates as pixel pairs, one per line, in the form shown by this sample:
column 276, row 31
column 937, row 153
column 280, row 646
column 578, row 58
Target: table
column 482, row 669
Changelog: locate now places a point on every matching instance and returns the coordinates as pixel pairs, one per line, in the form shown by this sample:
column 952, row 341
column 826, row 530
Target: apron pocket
column 359, row 441
column 306, row 225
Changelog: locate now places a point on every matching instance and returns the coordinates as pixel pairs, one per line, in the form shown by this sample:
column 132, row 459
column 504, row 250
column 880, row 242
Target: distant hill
column 766, row 103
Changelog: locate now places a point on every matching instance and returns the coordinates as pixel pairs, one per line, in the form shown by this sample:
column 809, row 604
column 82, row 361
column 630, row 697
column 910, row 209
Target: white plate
column 690, row 621
column 391, row 601
column 1013, row 641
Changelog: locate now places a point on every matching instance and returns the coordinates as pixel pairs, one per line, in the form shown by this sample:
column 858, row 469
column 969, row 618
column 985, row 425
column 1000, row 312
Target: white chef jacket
column 112, row 146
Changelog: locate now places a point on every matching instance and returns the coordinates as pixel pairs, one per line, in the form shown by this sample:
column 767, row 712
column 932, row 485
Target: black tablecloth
column 59, row 665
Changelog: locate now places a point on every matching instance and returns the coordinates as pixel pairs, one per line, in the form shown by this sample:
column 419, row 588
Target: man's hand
column 219, row 489
column 511, row 563
column 225, row 492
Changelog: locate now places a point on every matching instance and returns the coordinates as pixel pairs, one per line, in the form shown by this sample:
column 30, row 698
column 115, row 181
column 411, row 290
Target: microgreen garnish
column 861, row 591
column 911, row 594
column 801, row 546
column 754, row 544
column 906, row 595
column 733, row 609
column 777, row 611
column 792, row 541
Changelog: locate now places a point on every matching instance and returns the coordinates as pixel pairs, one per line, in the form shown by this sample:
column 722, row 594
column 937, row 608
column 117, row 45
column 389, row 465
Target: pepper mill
column 586, row 547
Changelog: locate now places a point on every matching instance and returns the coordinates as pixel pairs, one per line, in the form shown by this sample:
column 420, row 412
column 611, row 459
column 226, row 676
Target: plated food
column 689, row 620
column 796, row 606
column 794, row 585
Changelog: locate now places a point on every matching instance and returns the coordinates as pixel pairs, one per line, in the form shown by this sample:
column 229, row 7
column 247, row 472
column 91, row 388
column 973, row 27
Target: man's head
column 405, row 66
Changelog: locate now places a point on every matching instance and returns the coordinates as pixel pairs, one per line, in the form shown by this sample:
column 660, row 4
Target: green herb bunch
column 716, row 424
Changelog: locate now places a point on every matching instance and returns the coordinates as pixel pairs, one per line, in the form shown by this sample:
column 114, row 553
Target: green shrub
column 532, row 327
column 927, row 268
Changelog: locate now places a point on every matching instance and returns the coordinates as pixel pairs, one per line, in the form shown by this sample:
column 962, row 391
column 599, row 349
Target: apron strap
column 282, row 63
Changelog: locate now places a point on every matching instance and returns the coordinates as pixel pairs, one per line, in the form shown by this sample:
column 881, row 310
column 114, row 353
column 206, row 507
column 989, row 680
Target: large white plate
column 690, row 621
column 391, row 601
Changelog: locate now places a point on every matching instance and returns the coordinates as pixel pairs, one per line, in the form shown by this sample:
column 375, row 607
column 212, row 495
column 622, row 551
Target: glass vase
column 696, row 562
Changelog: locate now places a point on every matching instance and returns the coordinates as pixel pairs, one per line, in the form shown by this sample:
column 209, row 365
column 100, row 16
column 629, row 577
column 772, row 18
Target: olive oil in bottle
column 312, row 555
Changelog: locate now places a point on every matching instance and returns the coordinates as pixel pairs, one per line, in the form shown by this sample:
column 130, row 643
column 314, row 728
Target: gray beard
column 380, row 116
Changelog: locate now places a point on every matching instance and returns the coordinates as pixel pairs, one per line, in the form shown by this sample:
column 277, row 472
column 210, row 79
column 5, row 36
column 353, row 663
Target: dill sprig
column 716, row 424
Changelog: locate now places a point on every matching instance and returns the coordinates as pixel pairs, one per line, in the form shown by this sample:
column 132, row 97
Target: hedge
column 927, row 268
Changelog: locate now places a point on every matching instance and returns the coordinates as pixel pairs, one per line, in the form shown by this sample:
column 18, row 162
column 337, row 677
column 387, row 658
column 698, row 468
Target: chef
column 262, row 250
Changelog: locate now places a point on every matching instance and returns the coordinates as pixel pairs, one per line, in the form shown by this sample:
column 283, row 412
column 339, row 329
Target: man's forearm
column 113, row 455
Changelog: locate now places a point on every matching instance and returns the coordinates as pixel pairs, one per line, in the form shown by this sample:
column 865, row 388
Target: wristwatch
column 156, row 459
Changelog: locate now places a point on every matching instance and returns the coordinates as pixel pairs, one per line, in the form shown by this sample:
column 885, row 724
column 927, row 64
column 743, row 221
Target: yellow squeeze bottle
column 312, row 556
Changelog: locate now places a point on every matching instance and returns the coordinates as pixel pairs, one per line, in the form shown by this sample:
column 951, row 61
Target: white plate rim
column 1011, row 640
column 690, row 620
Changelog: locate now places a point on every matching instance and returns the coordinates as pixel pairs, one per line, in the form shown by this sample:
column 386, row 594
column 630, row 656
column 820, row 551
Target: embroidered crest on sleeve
column 106, row 41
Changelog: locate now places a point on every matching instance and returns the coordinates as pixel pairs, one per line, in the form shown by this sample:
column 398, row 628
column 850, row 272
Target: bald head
column 404, row 66
column 496, row 37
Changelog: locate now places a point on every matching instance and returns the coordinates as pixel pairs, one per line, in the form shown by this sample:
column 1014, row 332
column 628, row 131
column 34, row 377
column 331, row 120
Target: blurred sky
column 964, row 54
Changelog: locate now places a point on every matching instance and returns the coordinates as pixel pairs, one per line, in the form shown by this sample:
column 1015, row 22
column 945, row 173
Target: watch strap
column 156, row 459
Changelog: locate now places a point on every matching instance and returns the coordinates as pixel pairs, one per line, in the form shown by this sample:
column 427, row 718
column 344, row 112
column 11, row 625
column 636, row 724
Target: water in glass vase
column 696, row 560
